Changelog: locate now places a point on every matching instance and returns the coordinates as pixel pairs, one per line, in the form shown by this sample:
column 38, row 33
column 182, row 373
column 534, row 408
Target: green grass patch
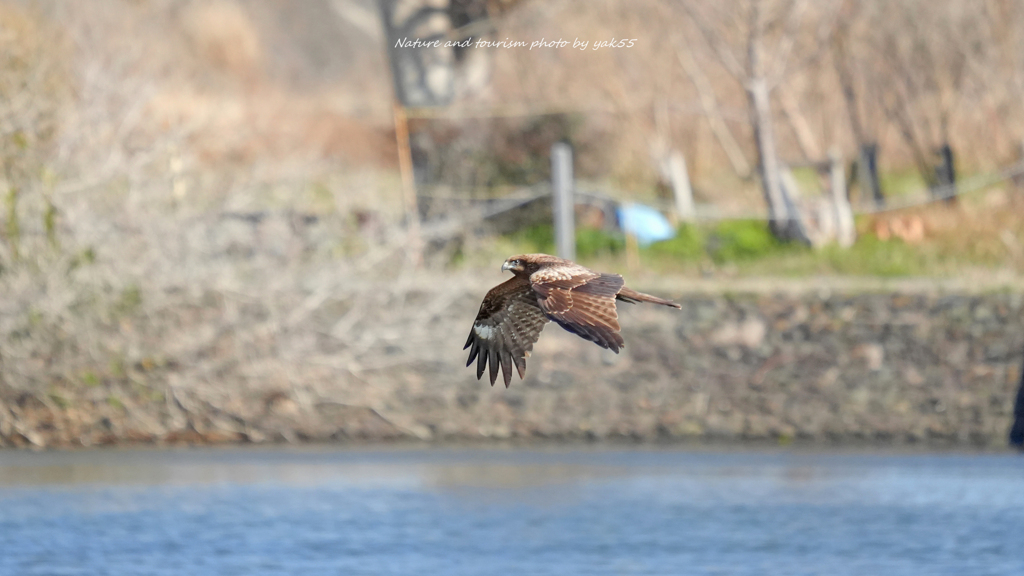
column 537, row 238
column 901, row 183
column 807, row 179
column 590, row 242
column 748, row 248
column 870, row 256
column 744, row 240
column 90, row 379
column 723, row 243
column 687, row 246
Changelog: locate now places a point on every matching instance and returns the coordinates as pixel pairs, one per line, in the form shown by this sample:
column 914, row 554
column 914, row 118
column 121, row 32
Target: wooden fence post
column 562, row 204
column 845, row 231
column 867, row 174
column 681, row 189
column 410, row 200
column 945, row 175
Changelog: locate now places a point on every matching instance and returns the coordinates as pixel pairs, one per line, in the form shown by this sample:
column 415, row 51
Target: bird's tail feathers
column 634, row 297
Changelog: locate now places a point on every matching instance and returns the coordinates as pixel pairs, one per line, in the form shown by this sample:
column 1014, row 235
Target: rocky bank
column 814, row 366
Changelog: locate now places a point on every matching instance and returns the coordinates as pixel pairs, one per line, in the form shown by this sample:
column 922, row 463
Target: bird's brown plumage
column 546, row 288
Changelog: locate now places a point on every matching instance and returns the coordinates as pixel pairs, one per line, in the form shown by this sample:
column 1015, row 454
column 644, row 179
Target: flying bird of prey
column 546, row 288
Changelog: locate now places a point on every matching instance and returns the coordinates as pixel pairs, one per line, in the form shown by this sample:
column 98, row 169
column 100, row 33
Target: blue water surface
column 536, row 512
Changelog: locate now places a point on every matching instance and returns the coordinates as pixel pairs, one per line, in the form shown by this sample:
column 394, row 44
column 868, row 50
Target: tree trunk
column 764, row 138
column 784, row 216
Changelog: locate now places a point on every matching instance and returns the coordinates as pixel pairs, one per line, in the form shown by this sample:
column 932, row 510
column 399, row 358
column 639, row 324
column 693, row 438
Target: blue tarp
column 647, row 224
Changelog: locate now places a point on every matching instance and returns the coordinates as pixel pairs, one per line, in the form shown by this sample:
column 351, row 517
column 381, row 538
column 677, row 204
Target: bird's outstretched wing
column 581, row 301
column 504, row 332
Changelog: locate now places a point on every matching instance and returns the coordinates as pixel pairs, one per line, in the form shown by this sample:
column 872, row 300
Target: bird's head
column 515, row 264
column 526, row 264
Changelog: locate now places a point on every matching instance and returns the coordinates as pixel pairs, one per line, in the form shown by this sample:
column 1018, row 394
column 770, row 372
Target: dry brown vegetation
column 156, row 163
column 906, row 74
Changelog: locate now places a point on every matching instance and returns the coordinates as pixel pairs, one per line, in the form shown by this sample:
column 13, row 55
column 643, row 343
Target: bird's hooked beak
column 506, row 266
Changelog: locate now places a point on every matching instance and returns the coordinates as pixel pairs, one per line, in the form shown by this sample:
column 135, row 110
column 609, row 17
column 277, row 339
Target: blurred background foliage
column 255, row 107
column 748, row 247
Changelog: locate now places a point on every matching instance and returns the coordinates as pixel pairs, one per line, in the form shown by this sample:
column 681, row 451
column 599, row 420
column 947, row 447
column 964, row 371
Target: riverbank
column 915, row 363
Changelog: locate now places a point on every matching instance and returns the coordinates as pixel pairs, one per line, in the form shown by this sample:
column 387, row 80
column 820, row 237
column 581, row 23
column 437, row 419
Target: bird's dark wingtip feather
column 521, row 367
column 506, row 368
column 493, row 361
column 481, row 363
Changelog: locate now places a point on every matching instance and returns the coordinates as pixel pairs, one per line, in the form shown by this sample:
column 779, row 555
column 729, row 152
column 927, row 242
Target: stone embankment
column 858, row 367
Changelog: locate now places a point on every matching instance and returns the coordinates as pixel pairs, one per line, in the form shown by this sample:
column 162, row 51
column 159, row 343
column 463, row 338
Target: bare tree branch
column 711, row 36
column 709, row 103
column 789, row 37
